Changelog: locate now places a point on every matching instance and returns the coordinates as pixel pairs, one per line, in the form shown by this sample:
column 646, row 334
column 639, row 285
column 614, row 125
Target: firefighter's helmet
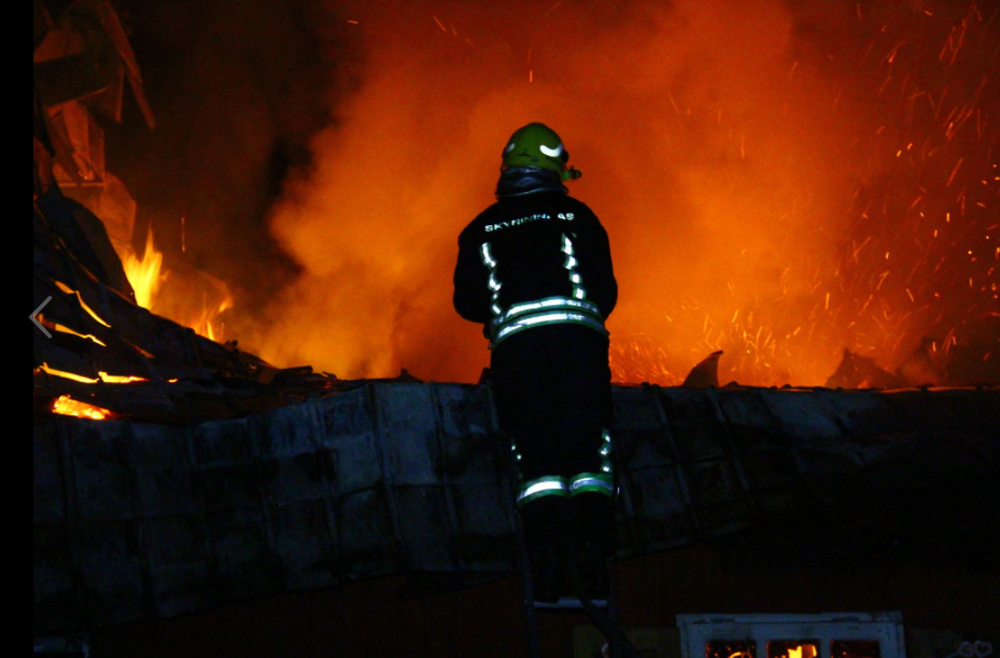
column 537, row 145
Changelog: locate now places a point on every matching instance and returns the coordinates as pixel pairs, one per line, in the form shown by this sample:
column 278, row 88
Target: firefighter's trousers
column 552, row 386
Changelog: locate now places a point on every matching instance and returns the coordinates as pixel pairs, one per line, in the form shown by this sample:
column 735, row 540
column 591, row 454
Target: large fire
column 780, row 181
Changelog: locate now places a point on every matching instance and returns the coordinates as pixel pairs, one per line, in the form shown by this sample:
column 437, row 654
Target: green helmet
column 537, row 145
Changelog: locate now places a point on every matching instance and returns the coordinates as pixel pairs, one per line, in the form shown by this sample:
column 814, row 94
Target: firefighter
column 535, row 269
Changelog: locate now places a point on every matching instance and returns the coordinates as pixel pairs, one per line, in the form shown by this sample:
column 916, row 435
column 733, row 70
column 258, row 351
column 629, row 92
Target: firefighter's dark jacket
column 533, row 259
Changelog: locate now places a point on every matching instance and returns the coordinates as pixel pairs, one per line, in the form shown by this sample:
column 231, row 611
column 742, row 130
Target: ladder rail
column 527, row 589
column 604, row 620
column 620, row 645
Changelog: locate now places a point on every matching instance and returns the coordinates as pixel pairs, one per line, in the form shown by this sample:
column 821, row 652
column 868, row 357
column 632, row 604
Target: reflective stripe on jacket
column 534, row 260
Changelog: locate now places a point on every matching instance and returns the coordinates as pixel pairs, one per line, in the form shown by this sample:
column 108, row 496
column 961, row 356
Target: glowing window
column 827, row 635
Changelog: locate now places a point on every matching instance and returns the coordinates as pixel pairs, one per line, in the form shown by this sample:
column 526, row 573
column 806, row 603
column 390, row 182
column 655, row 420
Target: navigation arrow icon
column 33, row 317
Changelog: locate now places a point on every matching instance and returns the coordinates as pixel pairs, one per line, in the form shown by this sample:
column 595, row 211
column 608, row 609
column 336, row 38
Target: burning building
column 816, row 211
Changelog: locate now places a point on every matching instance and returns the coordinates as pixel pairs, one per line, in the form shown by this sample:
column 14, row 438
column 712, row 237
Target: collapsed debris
column 706, row 373
column 138, row 520
column 856, row 371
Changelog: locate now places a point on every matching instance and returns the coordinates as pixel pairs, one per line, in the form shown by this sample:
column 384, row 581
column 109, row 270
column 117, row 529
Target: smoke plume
column 779, row 180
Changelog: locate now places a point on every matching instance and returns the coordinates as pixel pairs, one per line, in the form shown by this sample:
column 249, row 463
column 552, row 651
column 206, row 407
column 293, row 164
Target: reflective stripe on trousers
column 556, row 485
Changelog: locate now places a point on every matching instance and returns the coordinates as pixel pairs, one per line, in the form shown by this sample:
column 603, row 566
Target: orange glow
column 120, row 379
column 802, row 651
column 67, row 406
column 753, row 188
column 206, row 323
column 792, row 649
column 66, row 330
column 101, row 376
column 79, row 298
column 67, row 375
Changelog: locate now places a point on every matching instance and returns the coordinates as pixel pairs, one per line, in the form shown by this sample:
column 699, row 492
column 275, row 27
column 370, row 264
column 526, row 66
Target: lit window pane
column 854, row 649
column 793, row 649
column 730, row 649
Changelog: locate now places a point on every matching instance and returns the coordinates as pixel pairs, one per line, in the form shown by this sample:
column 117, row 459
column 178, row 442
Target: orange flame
column 159, row 290
column 144, row 273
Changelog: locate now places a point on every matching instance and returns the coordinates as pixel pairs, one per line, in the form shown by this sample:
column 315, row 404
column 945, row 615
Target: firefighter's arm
column 471, row 283
column 596, row 266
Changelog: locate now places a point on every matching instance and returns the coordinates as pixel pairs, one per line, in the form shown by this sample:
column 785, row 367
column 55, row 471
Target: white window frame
column 886, row 628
